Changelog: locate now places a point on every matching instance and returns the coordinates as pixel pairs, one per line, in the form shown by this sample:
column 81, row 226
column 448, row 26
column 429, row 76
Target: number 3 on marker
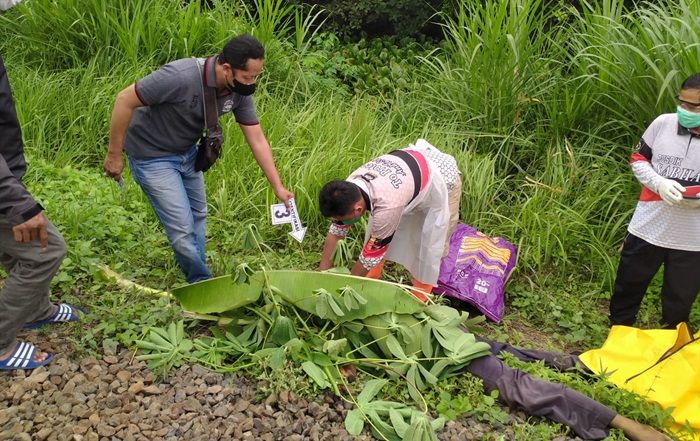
column 280, row 214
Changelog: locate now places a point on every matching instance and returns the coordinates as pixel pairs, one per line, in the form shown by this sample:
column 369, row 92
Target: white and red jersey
column 390, row 183
column 667, row 150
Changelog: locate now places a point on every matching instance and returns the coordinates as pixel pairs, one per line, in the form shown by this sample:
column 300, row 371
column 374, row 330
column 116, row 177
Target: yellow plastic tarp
column 661, row 365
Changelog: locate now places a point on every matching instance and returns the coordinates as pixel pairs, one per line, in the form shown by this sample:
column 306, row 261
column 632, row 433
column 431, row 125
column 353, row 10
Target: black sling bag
column 209, row 147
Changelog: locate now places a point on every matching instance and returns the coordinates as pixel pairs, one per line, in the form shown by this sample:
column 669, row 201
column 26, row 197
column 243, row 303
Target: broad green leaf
column 265, row 352
column 414, row 388
column 354, row 422
column 427, row 340
column 443, row 314
column 371, row 389
column 294, row 345
column 361, row 346
column 429, row 377
column 334, row 347
column 437, row 424
column 386, row 405
column 185, row 345
column 251, row 237
column 380, row 428
column 316, row 374
column 322, row 309
column 320, row 359
column 180, row 330
column 395, row 347
column 440, row 366
column 337, row 310
column 144, row 344
column 242, row 274
column 223, row 293
column 353, row 326
column 325, row 298
column 282, row 330
column 351, row 298
column 415, row 431
column 380, row 296
column 277, row 358
column 472, row 322
column 443, row 337
column 400, row 426
column 158, row 339
column 161, row 332
column 219, row 294
column 350, row 302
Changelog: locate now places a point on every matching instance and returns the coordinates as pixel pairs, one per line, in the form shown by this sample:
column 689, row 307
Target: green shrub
column 381, row 66
column 354, row 19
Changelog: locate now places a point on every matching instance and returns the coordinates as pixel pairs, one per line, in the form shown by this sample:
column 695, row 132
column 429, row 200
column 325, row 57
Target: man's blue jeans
column 177, row 195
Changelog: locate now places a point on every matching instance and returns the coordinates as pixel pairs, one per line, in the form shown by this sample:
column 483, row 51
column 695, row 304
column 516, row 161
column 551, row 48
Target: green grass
column 540, row 118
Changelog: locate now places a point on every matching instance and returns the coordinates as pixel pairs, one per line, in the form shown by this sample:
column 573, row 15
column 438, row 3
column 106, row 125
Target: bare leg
column 637, row 431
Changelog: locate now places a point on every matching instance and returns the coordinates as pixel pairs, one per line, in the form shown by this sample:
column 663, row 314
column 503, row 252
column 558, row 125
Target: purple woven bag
column 476, row 270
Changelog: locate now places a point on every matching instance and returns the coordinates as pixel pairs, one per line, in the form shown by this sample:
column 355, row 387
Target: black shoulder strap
column 211, row 117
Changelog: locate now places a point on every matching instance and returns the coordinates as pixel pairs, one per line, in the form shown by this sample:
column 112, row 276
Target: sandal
column 23, row 358
column 64, row 313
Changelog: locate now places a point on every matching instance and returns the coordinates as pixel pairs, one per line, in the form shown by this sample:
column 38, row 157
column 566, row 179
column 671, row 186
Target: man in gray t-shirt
column 158, row 120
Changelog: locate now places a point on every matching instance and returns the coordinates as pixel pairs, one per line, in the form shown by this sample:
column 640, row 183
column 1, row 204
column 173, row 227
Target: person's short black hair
column 336, row 198
column 240, row 49
column 692, row 82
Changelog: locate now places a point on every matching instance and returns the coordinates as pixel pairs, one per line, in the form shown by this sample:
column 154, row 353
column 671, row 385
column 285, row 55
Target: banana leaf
column 300, row 288
column 219, row 294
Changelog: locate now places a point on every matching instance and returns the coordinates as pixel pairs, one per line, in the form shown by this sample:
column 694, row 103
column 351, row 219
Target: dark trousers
column 587, row 417
column 24, row 296
column 10, row 133
column 639, row 263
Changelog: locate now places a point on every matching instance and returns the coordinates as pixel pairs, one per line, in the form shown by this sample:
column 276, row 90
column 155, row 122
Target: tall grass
column 66, row 33
column 492, row 70
column 541, row 118
column 65, row 114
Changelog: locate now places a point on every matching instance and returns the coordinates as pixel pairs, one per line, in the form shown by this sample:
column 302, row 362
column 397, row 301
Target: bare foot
column 38, row 356
column 637, row 431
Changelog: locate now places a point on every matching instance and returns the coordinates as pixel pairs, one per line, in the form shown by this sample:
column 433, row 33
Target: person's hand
column 670, row 191
column 113, row 166
column 33, row 229
column 284, row 195
column 690, row 203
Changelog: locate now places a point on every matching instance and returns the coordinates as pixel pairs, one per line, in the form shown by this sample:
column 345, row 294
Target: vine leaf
column 242, row 273
column 354, row 422
column 316, row 374
column 326, row 304
column 334, row 347
column 371, row 389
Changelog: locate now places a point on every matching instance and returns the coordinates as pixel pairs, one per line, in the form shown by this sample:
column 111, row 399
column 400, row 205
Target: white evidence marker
column 282, row 215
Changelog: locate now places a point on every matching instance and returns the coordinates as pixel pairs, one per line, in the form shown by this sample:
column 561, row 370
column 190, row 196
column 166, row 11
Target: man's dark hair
column 240, row 49
column 692, row 82
column 337, row 198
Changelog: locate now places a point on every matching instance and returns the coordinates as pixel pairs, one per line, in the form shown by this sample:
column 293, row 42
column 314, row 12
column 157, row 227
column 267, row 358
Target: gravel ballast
column 118, row 398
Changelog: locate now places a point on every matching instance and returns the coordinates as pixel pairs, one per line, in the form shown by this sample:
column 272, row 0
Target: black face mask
column 241, row 89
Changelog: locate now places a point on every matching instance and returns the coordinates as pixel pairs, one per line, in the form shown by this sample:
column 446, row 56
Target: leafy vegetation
column 541, row 120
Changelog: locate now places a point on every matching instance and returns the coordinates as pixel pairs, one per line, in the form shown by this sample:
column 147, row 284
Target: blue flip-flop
column 64, row 313
column 23, row 358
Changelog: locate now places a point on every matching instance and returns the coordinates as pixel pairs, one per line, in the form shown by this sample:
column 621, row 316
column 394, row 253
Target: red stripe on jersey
column 423, row 164
column 375, row 248
column 648, row 196
column 636, row 156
